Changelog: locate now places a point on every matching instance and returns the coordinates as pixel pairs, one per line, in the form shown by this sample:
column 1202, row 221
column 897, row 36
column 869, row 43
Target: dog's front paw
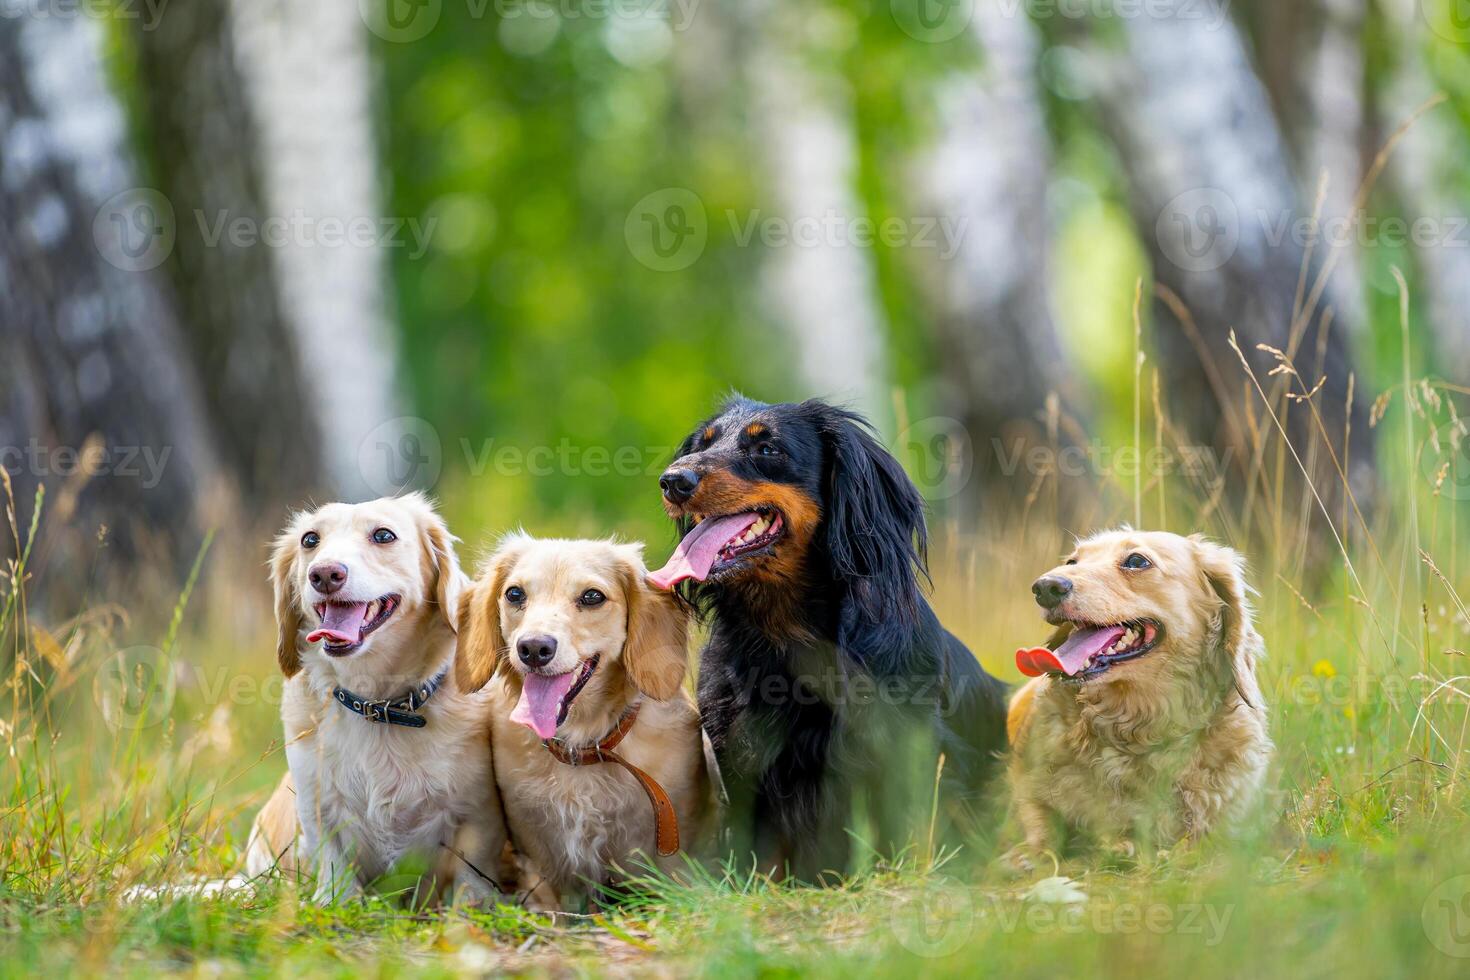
column 1019, row 861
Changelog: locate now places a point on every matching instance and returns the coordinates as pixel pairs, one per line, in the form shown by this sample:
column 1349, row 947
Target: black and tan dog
column 828, row 686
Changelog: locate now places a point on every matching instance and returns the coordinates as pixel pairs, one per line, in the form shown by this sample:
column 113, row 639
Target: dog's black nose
column 536, row 651
column 327, row 577
column 678, row 483
column 1050, row 590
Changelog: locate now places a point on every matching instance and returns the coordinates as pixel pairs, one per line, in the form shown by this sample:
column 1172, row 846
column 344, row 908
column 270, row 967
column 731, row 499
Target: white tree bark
column 822, row 290
column 89, row 343
column 1429, row 163
column 989, row 173
column 311, row 83
column 1333, row 144
column 1214, row 200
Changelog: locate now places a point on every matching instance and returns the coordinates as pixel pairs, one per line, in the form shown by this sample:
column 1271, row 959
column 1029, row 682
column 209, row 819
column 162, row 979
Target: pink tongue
column 540, row 702
column 341, row 623
column 696, row 553
column 1072, row 656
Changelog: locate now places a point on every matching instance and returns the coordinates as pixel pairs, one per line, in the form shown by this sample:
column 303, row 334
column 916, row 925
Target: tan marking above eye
column 709, row 434
column 755, row 430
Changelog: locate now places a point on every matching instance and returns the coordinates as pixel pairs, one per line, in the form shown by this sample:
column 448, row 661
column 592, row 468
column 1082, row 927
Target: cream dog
column 598, row 747
column 389, row 756
column 1146, row 723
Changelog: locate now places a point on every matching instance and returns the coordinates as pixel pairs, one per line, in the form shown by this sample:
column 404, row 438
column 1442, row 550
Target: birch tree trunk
column 1310, row 55
column 205, row 156
column 97, row 403
column 1213, row 197
column 310, row 84
column 821, row 289
column 1423, row 176
column 989, row 173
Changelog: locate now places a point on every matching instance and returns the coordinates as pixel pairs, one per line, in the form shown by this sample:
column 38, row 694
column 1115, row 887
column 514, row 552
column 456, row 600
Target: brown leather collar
column 665, row 820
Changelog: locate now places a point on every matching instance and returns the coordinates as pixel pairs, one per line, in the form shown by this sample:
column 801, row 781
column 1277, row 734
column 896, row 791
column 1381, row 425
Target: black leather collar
column 394, row 711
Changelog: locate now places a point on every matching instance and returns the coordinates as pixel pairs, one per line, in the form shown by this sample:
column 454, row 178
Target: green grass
column 1357, row 864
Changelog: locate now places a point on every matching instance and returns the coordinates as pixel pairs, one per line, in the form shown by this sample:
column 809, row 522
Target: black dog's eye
column 1135, row 562
column 310, row 540
column 590, row 599
column 515, row 595
column 384, row 536
column 766, row 449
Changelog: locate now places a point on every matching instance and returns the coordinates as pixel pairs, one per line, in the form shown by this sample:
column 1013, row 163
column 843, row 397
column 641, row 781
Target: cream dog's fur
column 1169, row 745
column 574, row 824
column 362, row 796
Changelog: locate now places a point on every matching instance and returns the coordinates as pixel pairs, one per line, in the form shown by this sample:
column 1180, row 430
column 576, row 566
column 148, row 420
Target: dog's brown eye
column 1135, row 562
column 310, row 540
column 591, row 598
column 384, row 536
column 1070, row 561
column 515, row 595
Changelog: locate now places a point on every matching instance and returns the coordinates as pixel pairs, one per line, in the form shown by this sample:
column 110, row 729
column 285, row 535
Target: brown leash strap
column 665, row 820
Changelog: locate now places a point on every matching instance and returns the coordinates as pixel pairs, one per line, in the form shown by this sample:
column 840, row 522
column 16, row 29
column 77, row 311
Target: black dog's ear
column 874, row 525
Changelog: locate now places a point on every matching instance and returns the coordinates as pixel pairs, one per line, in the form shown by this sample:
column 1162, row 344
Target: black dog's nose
column 327, row 577
column 678, row 483
column 1050, row 590
column 536, row 651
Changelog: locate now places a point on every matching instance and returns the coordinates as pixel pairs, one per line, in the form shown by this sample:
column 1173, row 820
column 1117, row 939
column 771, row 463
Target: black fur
column 837, row 688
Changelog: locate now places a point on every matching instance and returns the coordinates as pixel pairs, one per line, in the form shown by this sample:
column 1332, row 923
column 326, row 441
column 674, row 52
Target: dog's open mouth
column 718, row 544
column 547, row 699
column 1090, row 651
column 345, row 624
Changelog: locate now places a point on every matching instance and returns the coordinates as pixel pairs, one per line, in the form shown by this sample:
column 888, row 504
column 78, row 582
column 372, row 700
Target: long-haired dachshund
column 827, row 686
column 1144, row 723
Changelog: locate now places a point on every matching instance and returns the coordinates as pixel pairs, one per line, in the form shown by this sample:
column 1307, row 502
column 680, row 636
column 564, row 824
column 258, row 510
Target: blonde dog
column 598, row 747
column 1145, row 723
column 389, row 756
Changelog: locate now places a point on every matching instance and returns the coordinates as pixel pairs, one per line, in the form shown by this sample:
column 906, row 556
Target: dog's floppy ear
column 481, row 643
column 289, row 623
column 1224, row 571
column 875, row 528
column 656, row 650
column 444, row 571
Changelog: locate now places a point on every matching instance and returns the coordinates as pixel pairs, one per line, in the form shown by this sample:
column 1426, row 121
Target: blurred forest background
column 259, row 253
